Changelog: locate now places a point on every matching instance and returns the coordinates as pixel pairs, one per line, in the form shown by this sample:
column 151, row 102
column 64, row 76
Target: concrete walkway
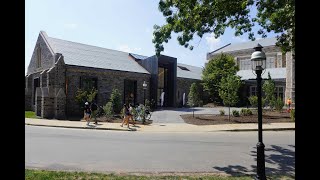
column 159, row 127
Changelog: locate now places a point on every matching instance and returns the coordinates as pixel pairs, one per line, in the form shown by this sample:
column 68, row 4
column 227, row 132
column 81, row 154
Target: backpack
column 94, row 107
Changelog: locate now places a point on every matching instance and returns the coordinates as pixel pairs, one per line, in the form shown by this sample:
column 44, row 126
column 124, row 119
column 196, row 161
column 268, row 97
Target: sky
column 124, row 25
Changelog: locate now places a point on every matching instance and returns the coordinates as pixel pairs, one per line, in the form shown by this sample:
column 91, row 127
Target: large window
column 253, row 91
column 279, row 92
column 245, row 64
column 270, row 62
column 87, row 83
column 130, row 91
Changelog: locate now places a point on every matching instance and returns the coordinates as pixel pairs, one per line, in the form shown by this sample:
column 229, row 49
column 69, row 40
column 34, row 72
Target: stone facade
column 183, row 86
column 281, row 60
column 106, row 81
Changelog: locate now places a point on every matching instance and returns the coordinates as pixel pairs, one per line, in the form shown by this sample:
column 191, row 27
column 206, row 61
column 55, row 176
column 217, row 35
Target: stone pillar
column 28, row 93
column 60, row 104
column 37, row 106
column 290, row 77
column 47, row 104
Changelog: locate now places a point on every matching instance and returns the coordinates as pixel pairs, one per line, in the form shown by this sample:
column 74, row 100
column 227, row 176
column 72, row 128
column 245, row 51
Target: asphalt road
column 115, row 151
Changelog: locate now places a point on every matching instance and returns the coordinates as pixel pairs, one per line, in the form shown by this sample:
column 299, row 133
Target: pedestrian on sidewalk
column 94, row 110
column 289, row 104
column 87, row 113
column 125, row 111
column 131, row 114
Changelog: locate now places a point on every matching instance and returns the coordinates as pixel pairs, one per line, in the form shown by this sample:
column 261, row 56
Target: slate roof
column 275, row 73
column 194, row 73
column 137, row 56
column 91, row 56
column 246, row 45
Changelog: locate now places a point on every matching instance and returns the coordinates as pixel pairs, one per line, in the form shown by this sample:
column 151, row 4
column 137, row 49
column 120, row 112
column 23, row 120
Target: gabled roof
column 193, row 72
column 275, row 73
column 246, row 45
column 91, row 56
column 138, row 57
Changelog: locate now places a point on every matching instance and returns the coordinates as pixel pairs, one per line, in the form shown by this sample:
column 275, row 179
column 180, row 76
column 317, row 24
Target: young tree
column 190, row 17
column 194, row 95
column 221, row 66
column 115, row 99
column 228, row 91
column 269, row 89
column 84, row 95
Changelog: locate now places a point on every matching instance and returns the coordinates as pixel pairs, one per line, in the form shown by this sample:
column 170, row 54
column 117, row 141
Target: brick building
column 281, row 66
column 58, row 68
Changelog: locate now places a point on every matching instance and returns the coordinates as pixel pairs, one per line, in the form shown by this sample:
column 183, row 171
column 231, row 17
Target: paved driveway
column 172, row 115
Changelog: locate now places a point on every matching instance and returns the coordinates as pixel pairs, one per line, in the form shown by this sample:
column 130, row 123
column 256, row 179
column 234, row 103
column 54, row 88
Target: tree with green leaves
column 269, row 90
column 229, row 89
column 115, row 99
column 85, row 95
column 222, row 65
column 190, row 17
column 194, row 96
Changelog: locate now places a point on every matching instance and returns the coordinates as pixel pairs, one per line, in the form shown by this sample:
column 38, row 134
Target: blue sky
column 124, row 25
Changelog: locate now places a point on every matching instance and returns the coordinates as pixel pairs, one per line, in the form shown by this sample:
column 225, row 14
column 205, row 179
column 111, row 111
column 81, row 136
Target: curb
column 114, row 129
column 270, row 129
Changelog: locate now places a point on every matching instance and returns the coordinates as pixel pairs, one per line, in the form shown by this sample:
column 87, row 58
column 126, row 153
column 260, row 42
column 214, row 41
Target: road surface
column 115, row 151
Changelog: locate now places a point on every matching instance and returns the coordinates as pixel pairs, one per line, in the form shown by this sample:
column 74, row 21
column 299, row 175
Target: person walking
column 125, row 111
column 87, row 113
column 131, row 114
column 94, row 110
column 289, row 104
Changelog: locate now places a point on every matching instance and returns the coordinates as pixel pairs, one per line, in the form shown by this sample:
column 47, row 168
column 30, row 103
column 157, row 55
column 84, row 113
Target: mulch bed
column 210, row 119
column 117, row 119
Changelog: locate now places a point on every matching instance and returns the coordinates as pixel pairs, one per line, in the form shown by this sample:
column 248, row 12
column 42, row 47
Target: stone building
column 58, row 68
column 279, row 65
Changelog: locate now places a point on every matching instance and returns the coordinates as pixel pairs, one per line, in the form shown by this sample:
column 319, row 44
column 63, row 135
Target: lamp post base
column 261, row 175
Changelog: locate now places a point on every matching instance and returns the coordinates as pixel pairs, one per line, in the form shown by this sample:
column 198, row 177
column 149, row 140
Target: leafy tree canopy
column 220, row 66
column 228, row 90
column 190, row 17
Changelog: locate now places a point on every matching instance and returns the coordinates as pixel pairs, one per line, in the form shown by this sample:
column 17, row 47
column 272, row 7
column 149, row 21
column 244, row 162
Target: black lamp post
column 144, row 100
column 258, row 61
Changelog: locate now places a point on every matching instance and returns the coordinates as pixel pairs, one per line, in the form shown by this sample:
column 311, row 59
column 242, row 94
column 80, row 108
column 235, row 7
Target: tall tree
column 222, row 65
column 228, row 91
column 194, row 96
column 190, row 17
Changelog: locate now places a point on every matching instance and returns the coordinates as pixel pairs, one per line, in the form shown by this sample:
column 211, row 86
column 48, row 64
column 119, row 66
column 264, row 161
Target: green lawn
column 44, row 175
column 30, row 114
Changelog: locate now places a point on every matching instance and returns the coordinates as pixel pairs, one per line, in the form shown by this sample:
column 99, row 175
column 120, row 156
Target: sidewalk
column 160, row 127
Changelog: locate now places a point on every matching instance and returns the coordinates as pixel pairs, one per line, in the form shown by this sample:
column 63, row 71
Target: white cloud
column 126, row 48
column 212, row 42
column 71, row 26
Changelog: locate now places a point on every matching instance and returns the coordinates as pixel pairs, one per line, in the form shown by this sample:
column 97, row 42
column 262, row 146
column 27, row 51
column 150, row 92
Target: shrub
column 245, row 112
column 108, row 109
column 253, row 101
column 222, row 112
column 279, row 104
column 116, row 100
column 235, row 113
column 293, row 114
column 85, row 95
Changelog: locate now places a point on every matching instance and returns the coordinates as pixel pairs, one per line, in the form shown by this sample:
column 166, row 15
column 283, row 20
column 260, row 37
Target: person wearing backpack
column 94, row 110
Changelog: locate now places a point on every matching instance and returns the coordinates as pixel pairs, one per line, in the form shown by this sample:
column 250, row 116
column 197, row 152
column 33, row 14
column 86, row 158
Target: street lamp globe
column 144, row 85
column 258, row 58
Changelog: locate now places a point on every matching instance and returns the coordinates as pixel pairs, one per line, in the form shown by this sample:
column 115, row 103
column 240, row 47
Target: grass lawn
column 44, row 175
column 30, row 114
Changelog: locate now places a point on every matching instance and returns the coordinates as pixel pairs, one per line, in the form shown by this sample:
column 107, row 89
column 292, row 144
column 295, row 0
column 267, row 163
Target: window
column 279, row 60
column 245, row 64
column 38, row 57
column 270, row 62
column 279, row 92
column 87, row 83
column 183, row 68
column 253, row 91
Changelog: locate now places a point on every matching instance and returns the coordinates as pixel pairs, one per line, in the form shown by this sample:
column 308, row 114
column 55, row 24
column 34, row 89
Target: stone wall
column 106, row 81
column 183, row 86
